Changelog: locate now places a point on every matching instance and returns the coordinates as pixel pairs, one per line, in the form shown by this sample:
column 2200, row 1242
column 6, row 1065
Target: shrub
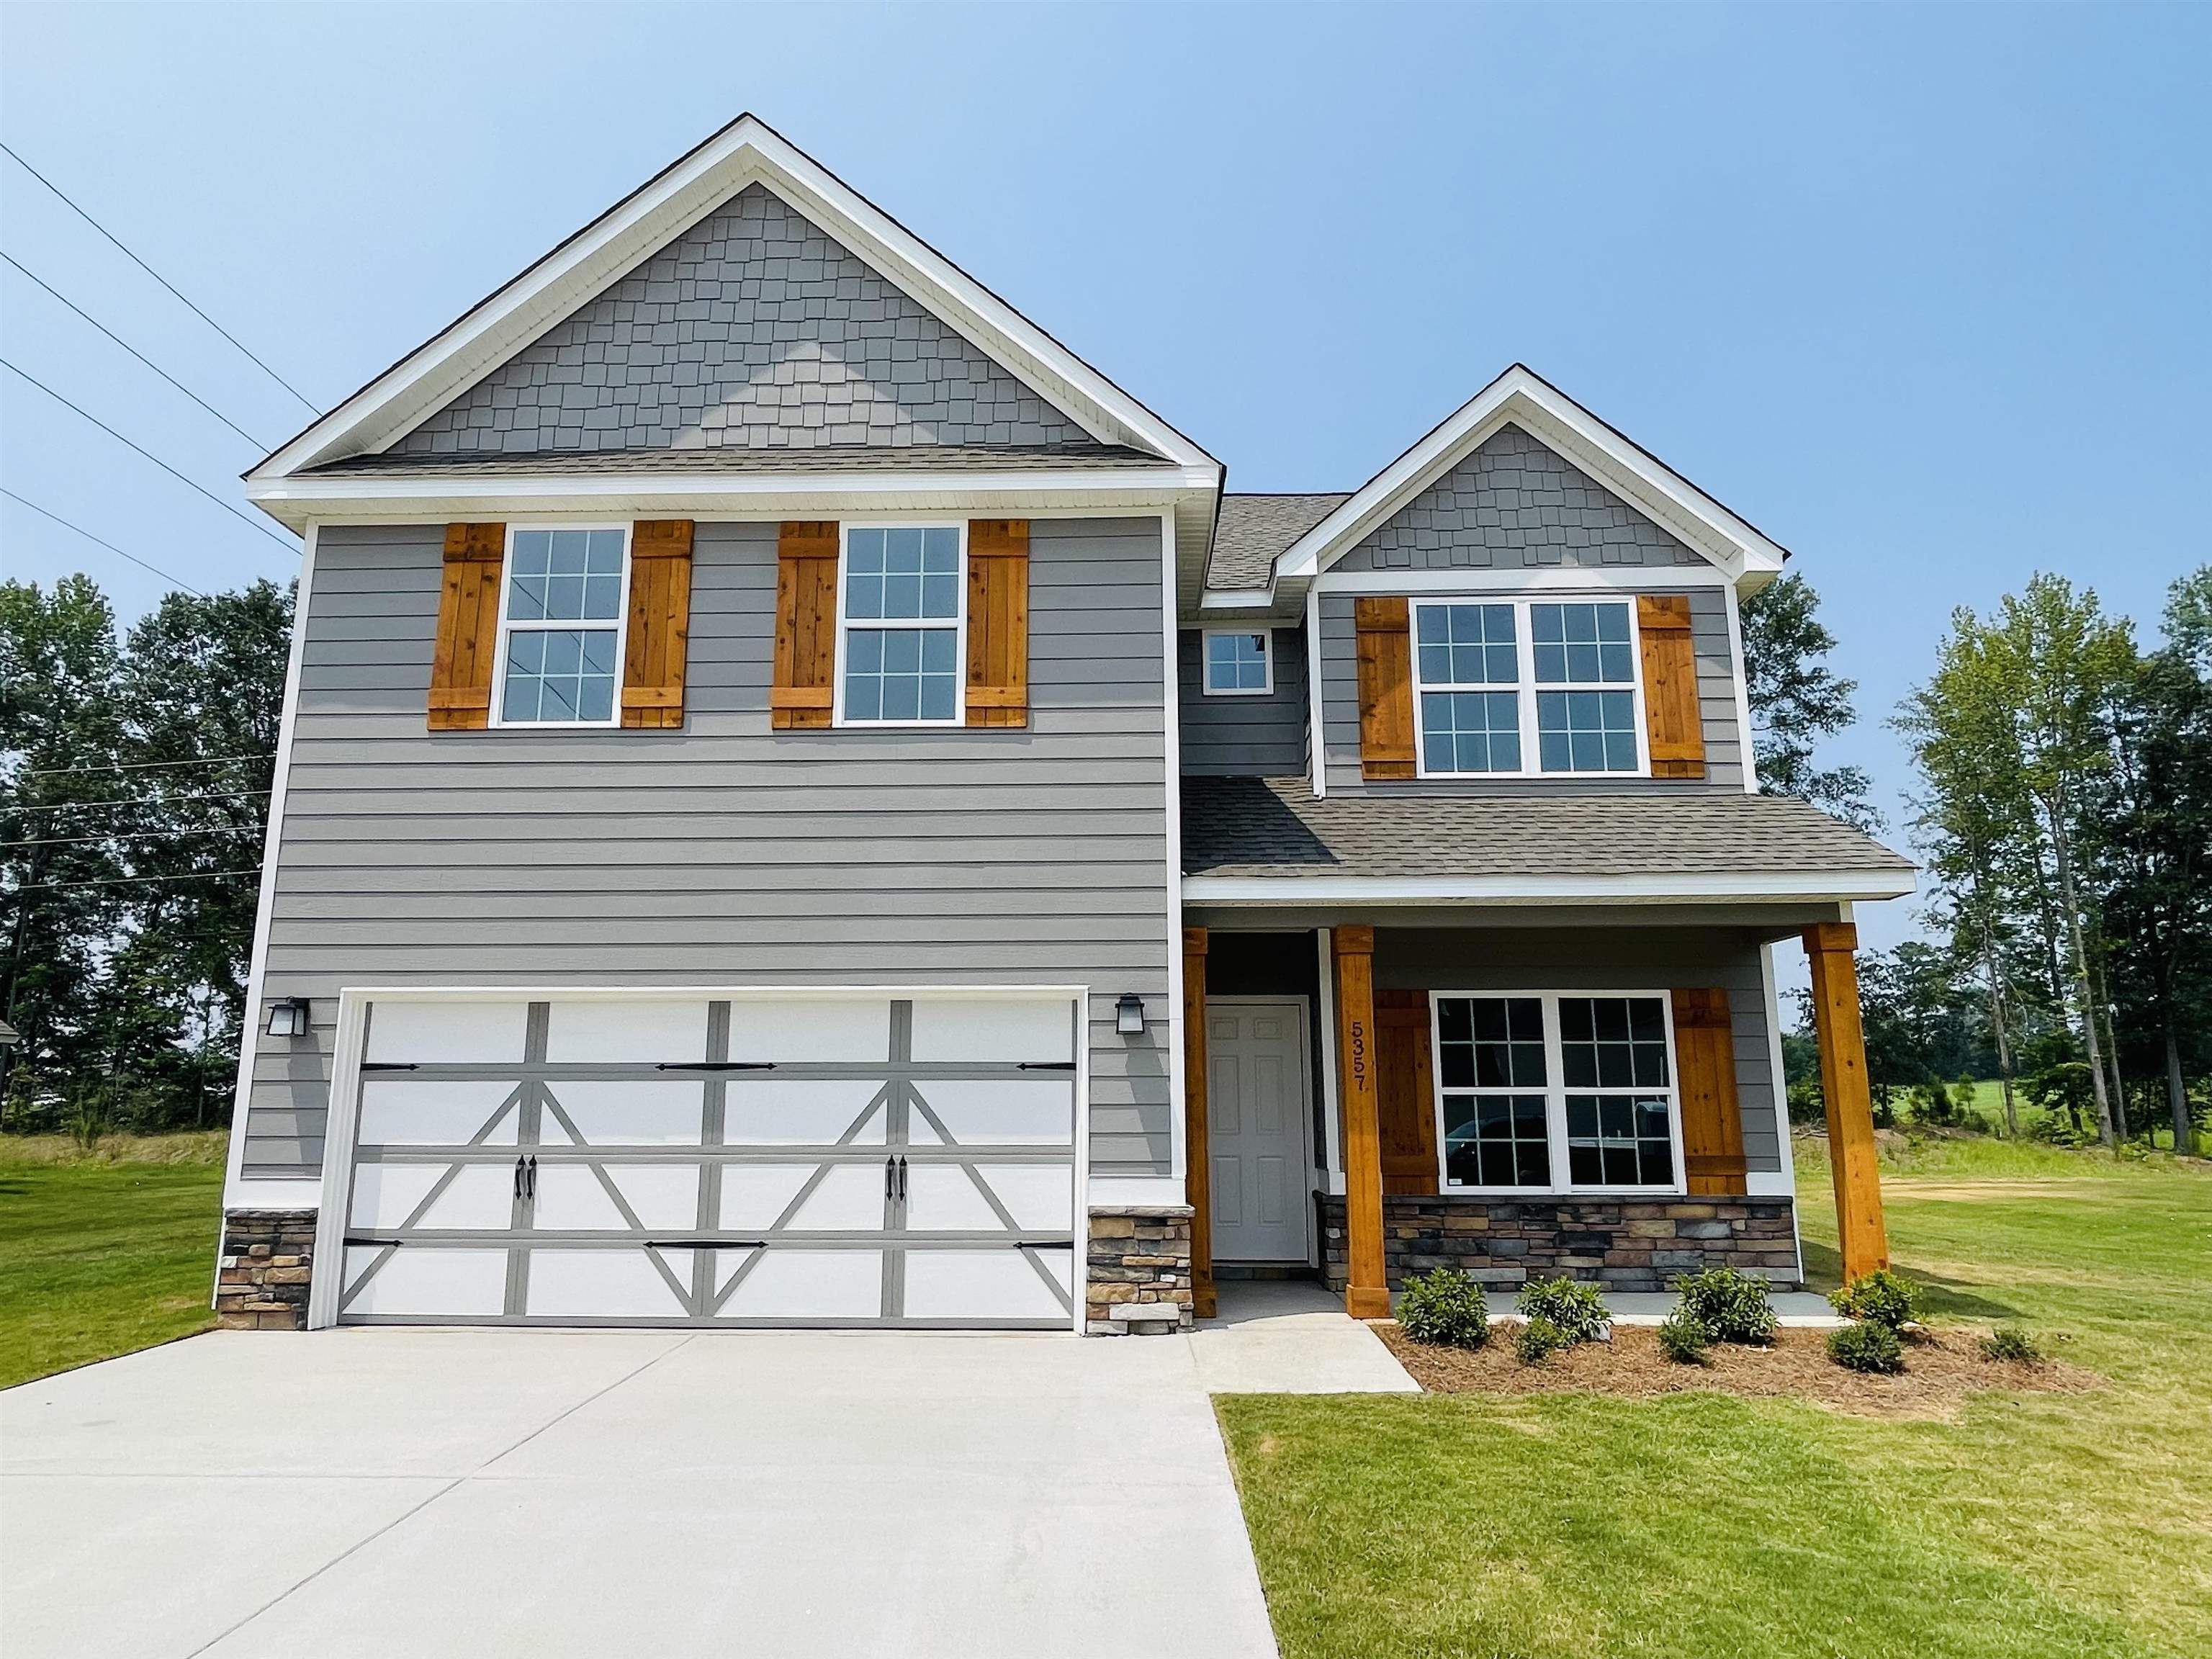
column 2011, row 1342
column 1881, row 1297
column 1577, row 1311
column 1445, row 1309
column 1538, row 1340
column 1733, row 1307
column 1866, row 1347
column 1684, row 1338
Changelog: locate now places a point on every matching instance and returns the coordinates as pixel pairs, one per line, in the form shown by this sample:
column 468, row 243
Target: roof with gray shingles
column 1254, row 529
column 1274, row 827
column 927, row 458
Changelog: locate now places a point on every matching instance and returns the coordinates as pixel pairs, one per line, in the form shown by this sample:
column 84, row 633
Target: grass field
column 1705, row 1524
column 103, row 1253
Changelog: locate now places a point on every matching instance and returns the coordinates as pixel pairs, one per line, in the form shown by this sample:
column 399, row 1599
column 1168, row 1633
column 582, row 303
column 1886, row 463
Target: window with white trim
column 1239, row 662
column 1556, row 1092
column 901, row 605
column 1524, row 688
column 561, row 625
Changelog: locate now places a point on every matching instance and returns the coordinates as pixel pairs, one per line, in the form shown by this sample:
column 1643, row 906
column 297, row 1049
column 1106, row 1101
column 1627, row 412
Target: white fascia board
column 1747, row 887
column 1520, row 397
column 294, row 500
column 1611, row 578
column 745, row 152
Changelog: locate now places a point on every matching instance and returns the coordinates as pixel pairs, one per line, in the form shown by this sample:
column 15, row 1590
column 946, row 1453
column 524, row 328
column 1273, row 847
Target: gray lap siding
column 1261, row 737
column 724, row 852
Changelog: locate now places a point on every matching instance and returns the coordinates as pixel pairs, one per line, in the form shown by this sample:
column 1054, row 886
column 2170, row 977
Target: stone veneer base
column 1137, row 1278
column 1624, row 1244
column 268, row 1258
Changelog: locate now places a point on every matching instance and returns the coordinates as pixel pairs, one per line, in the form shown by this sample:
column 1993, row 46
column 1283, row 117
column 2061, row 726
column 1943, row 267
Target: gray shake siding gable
column 1514, row 505
column 752, row 329
column 726, row 854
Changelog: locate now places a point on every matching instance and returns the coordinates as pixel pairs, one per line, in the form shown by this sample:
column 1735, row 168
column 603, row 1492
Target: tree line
column 134, row 785
column 2063, row 806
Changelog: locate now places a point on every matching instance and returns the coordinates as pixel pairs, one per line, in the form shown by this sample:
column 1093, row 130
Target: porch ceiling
column 1270, row 840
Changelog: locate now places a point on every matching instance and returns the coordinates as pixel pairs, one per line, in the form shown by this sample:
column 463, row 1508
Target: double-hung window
column 899, row 625
column 1556, row 1092
column 561, row 626
column 1526, row 687
column 1238, row 663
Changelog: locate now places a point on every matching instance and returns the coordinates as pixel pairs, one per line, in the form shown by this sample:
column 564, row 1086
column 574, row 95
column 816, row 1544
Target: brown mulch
column 1941, row 1369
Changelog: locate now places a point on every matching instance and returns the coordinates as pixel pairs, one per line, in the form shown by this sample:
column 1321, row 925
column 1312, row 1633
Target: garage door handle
column 902, row 1167
column 533, row 1193
column 890, row 1179
column 1045, row 1066
column 517, row 1177
column 715, row 1065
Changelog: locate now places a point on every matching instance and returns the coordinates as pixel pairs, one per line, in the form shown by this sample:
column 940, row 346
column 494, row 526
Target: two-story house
column 802, row 803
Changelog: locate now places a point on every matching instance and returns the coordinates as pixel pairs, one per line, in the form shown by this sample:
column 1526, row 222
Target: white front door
column 1259, row 1129
column 715, row 1160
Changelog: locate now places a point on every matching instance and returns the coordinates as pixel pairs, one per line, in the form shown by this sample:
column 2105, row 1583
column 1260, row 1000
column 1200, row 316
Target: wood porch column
column 1828, row 947
column 1366, row 1295
column 1198, row 1160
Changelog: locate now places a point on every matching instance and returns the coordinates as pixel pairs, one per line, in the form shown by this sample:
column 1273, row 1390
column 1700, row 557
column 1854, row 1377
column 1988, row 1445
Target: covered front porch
column 1511, row 1090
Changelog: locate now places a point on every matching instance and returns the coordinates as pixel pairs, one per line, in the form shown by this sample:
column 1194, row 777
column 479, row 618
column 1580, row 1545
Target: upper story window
column 1557, row 1093
column 1521, row 688
column 900, row 621
column 1239, row 663
column 561, row 626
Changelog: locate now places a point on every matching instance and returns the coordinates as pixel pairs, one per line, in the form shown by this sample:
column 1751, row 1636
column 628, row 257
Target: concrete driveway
column 541, row 1493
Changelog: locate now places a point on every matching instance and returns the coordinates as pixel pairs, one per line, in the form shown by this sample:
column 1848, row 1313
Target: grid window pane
column 1586, row 731
column 565, row 575
column 900, row 674
column 1466, row 645
column 1612, row 1043
column 1491, row 1042
column 559, row 674
column 1619, row 1140
column 1496, row 1141
column 1236, row 662
column 1585, row 644
column 902, row 574
column 1470, row 731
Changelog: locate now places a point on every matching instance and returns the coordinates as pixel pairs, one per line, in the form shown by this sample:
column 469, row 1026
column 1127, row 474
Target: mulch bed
column 1942, row 1369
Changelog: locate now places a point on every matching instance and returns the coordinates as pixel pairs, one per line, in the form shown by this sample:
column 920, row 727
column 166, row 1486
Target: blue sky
column 1922, row 292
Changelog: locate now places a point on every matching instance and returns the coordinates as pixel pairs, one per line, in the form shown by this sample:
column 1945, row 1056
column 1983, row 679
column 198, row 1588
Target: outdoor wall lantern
column 1129, row 1014
column 288, row 1016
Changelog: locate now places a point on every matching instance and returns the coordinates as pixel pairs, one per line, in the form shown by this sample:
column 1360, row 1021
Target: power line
column 152, row 456
column 143, row 800
column 133, row 766
column 160, row 278
column 109, row 546
column 135, row 835
column 134, row 351
column 123, row 881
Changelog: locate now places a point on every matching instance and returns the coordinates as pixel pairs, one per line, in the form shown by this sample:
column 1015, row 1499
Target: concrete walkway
column 1291, row 1337
column 546, row 1494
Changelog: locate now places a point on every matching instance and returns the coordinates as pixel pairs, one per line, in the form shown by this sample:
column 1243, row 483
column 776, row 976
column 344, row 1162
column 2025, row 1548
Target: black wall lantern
column 1129, row 1014
column 288, row 1016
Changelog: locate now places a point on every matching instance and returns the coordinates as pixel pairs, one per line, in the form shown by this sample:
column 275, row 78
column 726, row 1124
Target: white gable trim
column 1521, row 397
column 745, row 152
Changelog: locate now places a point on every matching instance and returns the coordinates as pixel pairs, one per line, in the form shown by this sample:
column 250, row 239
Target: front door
column 1260, row 1129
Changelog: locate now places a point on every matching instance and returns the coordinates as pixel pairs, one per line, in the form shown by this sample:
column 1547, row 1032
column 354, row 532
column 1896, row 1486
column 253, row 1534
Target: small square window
column 1237, row 663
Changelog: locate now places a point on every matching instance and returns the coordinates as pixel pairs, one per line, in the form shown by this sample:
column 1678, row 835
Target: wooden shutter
column 660, row 623
column 1712, row 1127
column 1386, row 686
column 1405, row 1091
column 468, row 628
column 805, row 625
column 998, row 621
column 1674, row 730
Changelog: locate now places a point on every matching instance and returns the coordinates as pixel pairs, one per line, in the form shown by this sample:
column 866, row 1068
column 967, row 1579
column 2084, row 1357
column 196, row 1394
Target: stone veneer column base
column 268, row 1258
column 1622, row 1243
column 1137, row 1280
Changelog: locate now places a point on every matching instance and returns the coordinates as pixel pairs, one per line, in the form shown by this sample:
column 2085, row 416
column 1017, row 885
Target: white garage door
column 819, row 1161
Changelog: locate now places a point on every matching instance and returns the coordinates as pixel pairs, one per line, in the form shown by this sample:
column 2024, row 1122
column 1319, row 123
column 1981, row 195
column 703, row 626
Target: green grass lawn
column 102, row 1255
column 1708, row 1525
